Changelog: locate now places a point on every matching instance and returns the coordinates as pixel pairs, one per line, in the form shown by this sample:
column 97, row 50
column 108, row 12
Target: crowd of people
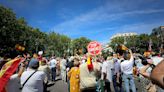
column 127, row 72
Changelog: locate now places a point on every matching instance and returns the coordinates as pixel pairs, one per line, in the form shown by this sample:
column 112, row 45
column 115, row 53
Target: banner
column 7, row 70
column 94, row 48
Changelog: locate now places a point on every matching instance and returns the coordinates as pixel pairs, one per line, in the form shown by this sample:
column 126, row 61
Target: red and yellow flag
column 89, row 63
column 123, row 47
column 7, row 70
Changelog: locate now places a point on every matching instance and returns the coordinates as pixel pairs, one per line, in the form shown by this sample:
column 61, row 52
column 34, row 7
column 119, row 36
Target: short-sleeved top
column 35, row 83
column 63, row 64
column 107, row 68
column 53, row 63
column 127, row 66
column 13, row 84
column 116, row 68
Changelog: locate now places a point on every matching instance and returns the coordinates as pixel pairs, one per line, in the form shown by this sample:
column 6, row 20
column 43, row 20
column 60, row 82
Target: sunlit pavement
column 58, row 86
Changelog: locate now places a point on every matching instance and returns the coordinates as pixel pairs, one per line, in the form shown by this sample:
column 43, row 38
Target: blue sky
column 94, row 19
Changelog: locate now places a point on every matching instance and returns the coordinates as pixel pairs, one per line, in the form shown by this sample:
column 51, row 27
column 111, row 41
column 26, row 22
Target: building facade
column 124, row 35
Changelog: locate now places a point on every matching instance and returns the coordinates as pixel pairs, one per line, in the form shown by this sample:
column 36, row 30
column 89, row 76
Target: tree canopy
column 140, row 43
column 16, row 31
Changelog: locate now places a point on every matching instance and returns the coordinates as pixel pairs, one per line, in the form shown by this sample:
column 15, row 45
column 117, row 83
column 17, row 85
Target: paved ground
column 59, row 86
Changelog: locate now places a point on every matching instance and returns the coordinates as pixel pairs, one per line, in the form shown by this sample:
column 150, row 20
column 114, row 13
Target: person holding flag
column 10, row 81
column 127, row 70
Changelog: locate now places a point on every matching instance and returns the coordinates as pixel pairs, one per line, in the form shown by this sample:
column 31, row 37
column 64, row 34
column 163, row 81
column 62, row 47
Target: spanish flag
column 123, row 47
column 7, row 70
column 89, row 64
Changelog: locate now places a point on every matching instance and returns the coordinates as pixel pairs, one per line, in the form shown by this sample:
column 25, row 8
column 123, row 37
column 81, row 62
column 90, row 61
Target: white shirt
column 35, row 83
column 53, row 63
column 156, row 60
column 83, row 61
column 106, row 68
column 127, row 66
column 13, row 84
column 63, row 64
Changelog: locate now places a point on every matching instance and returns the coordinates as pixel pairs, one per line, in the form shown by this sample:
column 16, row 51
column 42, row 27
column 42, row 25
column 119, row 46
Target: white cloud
column 97, row 16
column 110, row 12
column 139, row 28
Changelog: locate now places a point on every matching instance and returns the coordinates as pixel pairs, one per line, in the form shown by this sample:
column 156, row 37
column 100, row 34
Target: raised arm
column 143, row 71
column 131, row 56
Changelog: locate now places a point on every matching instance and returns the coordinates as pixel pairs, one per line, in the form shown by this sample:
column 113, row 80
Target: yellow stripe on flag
column 7, row 70
column 88, row 61
column 6, row 66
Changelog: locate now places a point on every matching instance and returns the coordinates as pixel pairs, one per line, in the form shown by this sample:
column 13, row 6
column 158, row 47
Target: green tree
column 157, row 37
column 138, row 43
column 143, row 43
column 17, row 31
column 116, row 41
column 58, row 44
column 80, row 44
column 9, row 30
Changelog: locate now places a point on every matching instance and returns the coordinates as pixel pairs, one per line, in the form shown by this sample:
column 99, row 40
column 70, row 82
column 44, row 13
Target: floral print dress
column 73, row 74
